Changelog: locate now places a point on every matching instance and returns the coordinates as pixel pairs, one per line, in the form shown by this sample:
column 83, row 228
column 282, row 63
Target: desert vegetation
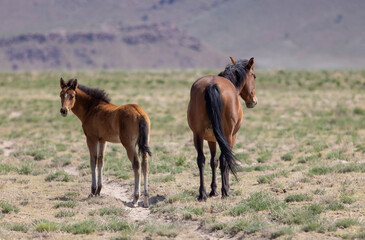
column 301, row 152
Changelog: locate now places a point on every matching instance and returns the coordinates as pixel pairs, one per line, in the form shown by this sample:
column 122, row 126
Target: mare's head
column 241, row 74
column 68, row 95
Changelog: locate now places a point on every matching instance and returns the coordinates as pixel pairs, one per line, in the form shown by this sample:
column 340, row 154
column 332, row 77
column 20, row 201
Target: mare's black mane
column 236, row 73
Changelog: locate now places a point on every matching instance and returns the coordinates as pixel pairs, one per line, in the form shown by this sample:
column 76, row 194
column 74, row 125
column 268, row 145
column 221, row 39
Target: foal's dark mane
column 236, row 73
column 95, row 93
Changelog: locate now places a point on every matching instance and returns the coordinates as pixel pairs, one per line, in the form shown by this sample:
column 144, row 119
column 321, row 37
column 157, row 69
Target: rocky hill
column 136, row 34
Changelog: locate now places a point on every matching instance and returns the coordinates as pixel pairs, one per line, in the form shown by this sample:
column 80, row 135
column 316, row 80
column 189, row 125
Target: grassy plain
column 301, row 152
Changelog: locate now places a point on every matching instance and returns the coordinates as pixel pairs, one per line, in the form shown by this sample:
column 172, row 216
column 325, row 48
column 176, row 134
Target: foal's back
column 116, row 124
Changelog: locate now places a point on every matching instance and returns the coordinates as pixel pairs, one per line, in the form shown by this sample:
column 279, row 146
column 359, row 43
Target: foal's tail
column 214, row 108
column 144, row 132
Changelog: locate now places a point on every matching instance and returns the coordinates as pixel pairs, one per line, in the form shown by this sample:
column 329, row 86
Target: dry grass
column 301, row 151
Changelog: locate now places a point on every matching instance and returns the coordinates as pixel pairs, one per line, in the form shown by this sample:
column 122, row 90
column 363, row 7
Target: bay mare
column 104, row 122
column 215, row 115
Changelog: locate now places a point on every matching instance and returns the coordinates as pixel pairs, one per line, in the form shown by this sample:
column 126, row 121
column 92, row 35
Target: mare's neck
column 82, row 105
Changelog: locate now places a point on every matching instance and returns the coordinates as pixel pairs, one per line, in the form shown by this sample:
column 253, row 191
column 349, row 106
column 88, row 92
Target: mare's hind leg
column 100, row 163
column 198, row 143
column 145, row 170
column 92, row 144
column 133, row 157
column 225, row 176
column 213, row 165
column 225, row 169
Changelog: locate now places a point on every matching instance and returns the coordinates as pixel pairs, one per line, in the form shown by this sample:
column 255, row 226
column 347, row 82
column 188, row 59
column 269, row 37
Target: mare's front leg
column 100, row 164
column 213, row 165
column 92, row 144
column 198, row 143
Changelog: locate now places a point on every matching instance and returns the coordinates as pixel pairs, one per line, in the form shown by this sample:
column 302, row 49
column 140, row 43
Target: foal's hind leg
column 213, row 165
column 133, row 157
column 92, row 144
column 198, row 143
column 100, row 163
column 145, row 170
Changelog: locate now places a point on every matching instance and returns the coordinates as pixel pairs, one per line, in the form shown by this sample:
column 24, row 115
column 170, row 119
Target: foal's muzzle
column 63, row 112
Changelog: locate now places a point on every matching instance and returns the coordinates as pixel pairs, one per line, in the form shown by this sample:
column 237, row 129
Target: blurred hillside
column 135, row 34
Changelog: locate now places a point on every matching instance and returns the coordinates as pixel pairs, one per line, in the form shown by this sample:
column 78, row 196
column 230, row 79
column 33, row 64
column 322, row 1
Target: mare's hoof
column 213, row 194
column 225, row 196
column 202, row 197
column 91, row 195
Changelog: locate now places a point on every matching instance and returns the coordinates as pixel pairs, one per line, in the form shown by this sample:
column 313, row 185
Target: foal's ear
column 250, row 63
column 74, row 84
column 62, row 83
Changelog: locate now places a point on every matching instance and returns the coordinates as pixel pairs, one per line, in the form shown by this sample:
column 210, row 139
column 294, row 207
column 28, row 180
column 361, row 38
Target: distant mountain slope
column 97, row 34
column 286, row 33
column 138, row 46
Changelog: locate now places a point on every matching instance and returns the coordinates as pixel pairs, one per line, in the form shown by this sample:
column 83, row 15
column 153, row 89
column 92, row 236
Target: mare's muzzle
column 251, row 104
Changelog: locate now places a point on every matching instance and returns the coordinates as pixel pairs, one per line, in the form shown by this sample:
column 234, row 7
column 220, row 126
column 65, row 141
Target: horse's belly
column 113, row 139
column 209, row 135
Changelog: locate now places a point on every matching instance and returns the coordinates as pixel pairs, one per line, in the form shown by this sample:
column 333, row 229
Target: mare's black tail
column 143, row 147
column 214, row 108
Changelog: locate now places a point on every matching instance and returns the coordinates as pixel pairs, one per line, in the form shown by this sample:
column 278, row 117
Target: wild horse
column 105, row 122
column 215, row 115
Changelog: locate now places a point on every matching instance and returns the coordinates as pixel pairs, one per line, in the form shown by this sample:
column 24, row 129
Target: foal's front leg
column 92, row 144
column 100, row 163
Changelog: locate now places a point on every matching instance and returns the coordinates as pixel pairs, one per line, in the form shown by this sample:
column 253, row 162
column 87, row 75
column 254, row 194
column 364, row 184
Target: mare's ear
column 233, row 61
column 250, row 63
column 74, row 84
column 62, row 83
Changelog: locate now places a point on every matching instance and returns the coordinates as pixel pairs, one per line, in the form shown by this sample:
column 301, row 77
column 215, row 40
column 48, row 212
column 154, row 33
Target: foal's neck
column 82, row 105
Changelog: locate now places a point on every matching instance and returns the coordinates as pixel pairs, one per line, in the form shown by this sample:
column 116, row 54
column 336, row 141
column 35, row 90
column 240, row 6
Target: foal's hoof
column 213, row 194
column 145, row 202
column 135, row 204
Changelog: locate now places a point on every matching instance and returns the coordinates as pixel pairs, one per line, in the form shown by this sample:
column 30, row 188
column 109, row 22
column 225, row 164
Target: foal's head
column 68, row 95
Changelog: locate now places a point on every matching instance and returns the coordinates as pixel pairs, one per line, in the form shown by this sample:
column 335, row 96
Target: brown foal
column 105, row 122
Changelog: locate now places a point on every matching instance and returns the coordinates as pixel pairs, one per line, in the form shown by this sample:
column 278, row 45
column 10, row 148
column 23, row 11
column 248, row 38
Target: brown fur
column 231, row 119
column 105, row 122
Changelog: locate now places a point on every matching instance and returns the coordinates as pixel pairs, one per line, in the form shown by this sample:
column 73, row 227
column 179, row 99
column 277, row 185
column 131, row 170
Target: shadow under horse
column 215, row 115
column 104, row 122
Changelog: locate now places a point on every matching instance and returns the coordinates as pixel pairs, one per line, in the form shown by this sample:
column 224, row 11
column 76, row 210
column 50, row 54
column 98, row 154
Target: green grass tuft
column 7, row 208
column 65, row 204
column 298, row 198
column 46, row 226
column 59, row 176
column 84, row 227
